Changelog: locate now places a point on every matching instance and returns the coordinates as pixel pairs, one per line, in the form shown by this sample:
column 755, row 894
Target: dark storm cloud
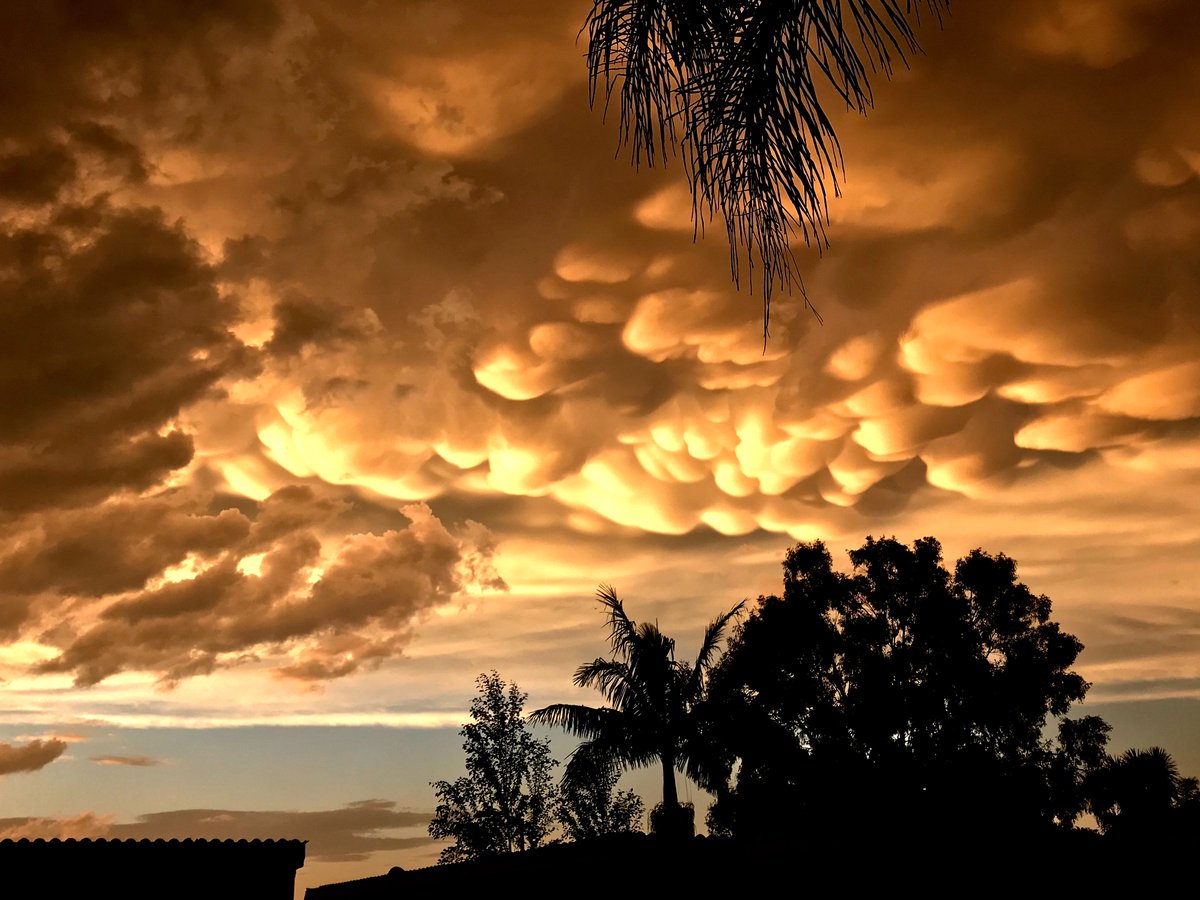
column 975, row 298
column 36, row 175
column 98, row 550
column 63, row 56
column 96, row 584
column 302, row 321
column 109, row 325
column 31, row 756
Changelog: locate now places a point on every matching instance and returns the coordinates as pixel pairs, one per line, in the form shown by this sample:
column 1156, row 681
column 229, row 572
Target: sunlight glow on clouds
column 257, row 307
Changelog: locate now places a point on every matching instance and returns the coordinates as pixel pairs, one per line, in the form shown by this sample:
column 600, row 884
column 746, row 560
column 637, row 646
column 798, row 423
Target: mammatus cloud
column 971, row 335
column 30, row 757
column 271, row 273
column 348, row 833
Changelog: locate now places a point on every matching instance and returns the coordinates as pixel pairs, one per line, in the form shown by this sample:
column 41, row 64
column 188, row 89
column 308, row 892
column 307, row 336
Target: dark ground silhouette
column 151, row 870
column 962, row 862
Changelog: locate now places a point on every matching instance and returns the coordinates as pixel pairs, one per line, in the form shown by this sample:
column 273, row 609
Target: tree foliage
column 505, row 802
column 653, row 702
column 904, row 689
column 738, row 87
column 589, row 804
column 1141, row 793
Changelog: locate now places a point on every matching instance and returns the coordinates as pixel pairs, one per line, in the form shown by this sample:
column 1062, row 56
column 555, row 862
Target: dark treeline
column 895, row 704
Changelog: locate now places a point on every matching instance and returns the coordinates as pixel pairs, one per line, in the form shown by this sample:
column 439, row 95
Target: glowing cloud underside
column 271, row 301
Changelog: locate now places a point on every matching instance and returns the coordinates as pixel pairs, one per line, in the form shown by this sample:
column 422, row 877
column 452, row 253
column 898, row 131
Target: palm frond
column 649, row 48
column 712, row 639
column 627, row 751
column 651, row 698
column 740, row 81
column 619, row 686
column 622, row 632
column 579, row 720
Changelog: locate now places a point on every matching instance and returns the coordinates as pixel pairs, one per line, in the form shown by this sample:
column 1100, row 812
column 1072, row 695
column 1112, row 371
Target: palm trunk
column 671, row 820
column 670, row 795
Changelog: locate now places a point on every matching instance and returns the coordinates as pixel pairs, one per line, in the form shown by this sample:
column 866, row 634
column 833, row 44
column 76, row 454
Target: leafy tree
column 505, row 801
column 737, row 87
column 653, row 710
column 589, row 805
column 1080, row 754
column 1141, row 794
column 901, row 690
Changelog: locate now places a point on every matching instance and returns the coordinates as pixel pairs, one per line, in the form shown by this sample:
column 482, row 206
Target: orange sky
column 341, row 359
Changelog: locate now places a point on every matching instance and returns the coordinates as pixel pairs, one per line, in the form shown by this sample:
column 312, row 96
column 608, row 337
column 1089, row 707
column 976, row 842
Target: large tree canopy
column 738, row 87
column 901, row 689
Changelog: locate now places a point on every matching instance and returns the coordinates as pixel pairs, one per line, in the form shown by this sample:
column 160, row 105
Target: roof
column 266, row 848
column 191, row 868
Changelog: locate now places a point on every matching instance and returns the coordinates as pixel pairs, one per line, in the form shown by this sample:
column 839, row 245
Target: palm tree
column 735, row 85
column 652, row 703
column 1137, row 790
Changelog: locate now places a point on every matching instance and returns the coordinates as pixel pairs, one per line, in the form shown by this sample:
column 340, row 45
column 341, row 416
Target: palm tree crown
column 1137, row 790
column 652, row 701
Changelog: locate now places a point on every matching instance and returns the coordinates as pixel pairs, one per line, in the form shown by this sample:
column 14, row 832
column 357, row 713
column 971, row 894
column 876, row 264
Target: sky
column 342, row 356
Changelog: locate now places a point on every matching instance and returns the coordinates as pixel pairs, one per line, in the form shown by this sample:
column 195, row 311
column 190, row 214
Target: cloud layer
column 272, row 276
column 163, row 585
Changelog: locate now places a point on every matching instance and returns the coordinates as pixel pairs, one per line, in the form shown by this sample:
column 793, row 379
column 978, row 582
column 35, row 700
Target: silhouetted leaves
column 737, row 86
column 1141, row 794
column 505, row 801
column 653, row 712
column 899, row 691
column 588, row 804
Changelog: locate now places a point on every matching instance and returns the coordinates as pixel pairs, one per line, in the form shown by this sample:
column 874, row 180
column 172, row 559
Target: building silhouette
column 151, row 869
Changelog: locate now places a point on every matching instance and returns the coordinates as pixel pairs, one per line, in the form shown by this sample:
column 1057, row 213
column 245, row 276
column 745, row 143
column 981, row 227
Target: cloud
column 137, row 761
column 111, row 325
column 611, row 369
column 351, row 832
column 30, row 757
column 269, row 273
column 207, row 591
column 84, row 825
column 36, row 175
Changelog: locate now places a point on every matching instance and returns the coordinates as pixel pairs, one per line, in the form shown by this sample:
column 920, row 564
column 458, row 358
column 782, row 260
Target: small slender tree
column 505, row 802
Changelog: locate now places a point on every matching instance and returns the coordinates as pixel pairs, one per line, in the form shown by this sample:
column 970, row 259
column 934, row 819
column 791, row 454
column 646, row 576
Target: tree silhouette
column 505, row 801
column 653, row 710
column 737, row 87
column 900, row 692
column 1141, row 794
column 589, row 805
column 1079, row 755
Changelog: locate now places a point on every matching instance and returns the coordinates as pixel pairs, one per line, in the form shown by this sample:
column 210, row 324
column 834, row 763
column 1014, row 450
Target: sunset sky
column 341, row 358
